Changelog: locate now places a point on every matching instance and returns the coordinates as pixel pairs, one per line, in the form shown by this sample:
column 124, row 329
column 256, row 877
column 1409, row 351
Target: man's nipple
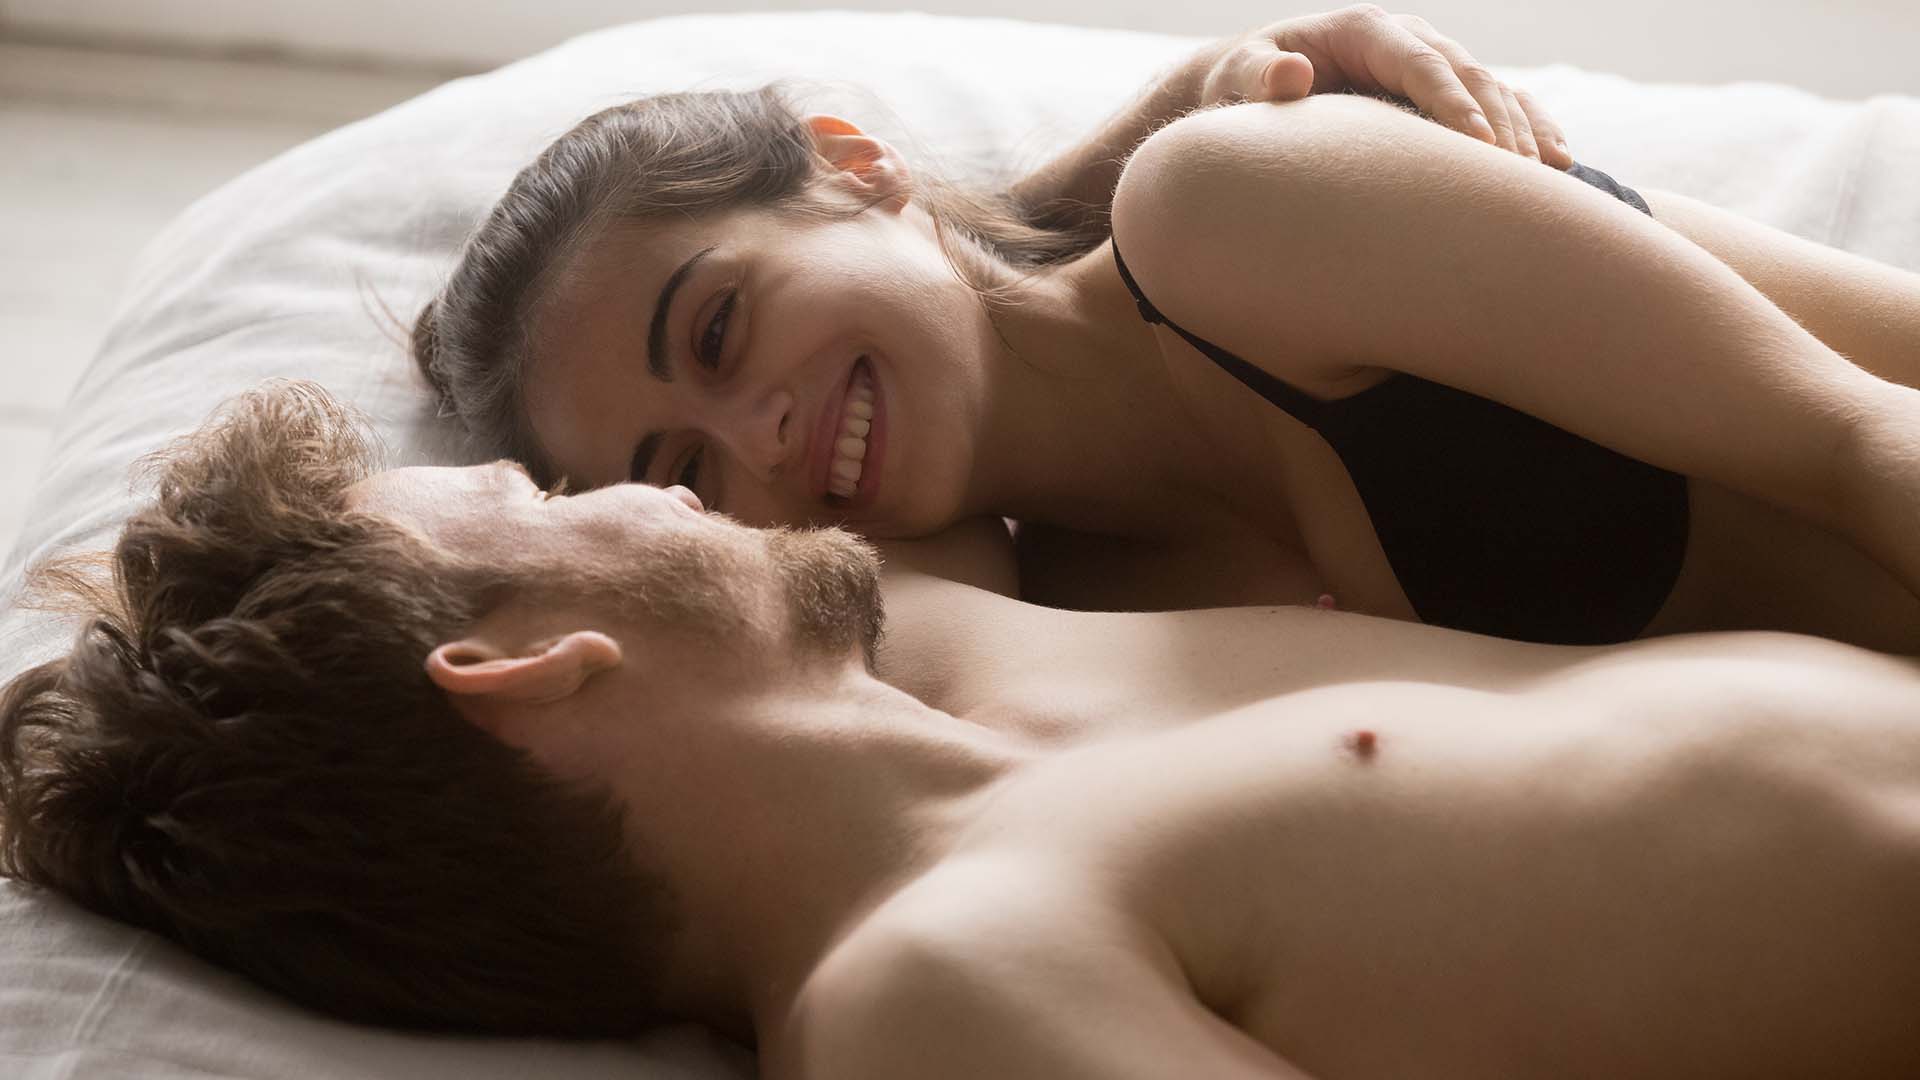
column 1362, row 744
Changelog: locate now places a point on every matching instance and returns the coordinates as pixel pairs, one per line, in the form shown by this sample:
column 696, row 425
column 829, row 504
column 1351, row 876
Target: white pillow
column 87, row 997
column 282, row 272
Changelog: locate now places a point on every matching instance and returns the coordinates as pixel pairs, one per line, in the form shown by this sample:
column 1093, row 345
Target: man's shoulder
column 959, row 917
column 870, row 992
column 972, row 978
column 948, row 958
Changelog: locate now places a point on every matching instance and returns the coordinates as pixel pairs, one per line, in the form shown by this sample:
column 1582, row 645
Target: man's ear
column 478, row 671
column 866, row 164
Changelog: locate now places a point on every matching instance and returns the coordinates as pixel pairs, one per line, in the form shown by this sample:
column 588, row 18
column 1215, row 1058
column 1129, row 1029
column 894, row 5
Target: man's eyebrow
column 657, row 329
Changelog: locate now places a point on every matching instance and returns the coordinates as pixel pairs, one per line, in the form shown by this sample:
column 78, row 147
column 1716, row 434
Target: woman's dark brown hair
column 242, row 752
column 672, row 154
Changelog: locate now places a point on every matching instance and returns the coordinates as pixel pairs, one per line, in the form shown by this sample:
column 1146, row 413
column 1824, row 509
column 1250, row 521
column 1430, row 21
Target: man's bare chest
column 1387, row 879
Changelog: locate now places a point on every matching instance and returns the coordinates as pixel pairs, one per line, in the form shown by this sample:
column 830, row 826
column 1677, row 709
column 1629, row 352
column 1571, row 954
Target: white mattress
column 283, row 272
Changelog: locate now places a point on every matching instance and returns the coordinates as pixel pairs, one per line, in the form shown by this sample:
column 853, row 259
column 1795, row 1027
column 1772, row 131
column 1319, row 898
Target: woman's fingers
column 1365, row 48
column 1522, row 127
column 1473, row 78
column 1547, row 133
column 1392, row 58
column 1258, row 70
column 1288, row 76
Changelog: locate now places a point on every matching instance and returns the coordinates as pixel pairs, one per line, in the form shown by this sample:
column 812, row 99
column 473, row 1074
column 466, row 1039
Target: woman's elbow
column 1293, row 158
column 1317, row 137
column 1322, row 180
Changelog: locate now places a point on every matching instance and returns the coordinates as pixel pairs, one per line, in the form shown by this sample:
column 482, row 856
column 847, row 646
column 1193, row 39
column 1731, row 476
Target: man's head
column 273, row 740
column 646, row 558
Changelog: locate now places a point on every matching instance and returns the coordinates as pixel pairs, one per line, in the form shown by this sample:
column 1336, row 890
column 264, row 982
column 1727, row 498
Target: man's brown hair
column 242, row 751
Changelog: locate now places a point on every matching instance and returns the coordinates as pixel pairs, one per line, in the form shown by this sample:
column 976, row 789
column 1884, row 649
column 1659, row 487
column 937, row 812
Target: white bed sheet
column 283, row 271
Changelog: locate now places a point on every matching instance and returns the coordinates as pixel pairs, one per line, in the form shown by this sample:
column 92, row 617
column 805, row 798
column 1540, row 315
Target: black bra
column 1494, row 521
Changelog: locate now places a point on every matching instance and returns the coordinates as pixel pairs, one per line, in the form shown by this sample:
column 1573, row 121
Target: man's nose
column 763, row 433
column 687, row 498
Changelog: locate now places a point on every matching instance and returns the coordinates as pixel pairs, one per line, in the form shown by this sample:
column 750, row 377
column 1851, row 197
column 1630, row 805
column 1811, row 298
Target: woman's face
column 788, row 371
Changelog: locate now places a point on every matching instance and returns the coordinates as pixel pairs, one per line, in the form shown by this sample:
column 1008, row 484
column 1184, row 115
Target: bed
column 290, row 269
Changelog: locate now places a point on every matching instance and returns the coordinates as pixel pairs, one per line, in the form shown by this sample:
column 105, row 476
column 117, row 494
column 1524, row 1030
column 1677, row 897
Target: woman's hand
column 1356, row 48
column 1367, row 49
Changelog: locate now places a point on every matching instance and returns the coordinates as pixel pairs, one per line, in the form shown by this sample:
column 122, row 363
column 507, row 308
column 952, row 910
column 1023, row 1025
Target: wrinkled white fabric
column 284, row 271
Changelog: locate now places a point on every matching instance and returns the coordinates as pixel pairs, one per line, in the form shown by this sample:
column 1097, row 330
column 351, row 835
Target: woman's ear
column 868, row 164
column 476, row 671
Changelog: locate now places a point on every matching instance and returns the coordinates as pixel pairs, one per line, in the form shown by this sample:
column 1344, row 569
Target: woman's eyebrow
column 657, row 329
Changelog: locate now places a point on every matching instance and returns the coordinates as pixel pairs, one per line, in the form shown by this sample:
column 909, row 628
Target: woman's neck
column 1084, row 430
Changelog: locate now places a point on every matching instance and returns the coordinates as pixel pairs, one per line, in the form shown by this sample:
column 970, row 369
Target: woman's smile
column 775, row 392
column 846, row 456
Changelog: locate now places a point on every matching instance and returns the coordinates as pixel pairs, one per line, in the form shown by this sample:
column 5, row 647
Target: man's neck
column 832, row 800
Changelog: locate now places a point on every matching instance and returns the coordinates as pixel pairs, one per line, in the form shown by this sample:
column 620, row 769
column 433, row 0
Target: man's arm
column 1361, row 48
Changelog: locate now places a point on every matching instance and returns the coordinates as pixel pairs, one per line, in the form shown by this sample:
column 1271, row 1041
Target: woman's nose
column 764, row 434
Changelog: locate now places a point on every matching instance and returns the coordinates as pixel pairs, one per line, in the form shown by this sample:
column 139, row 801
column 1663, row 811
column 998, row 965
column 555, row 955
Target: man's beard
column 832, row 583
column 698, row 584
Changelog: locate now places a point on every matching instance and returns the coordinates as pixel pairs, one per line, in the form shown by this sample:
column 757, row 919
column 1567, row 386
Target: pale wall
column 1842, row 48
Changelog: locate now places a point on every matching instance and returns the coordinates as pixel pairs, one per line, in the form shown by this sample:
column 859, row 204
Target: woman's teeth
column 850, row 447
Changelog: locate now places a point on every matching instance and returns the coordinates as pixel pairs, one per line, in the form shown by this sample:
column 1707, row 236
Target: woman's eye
column 689, row 474
column 709, row 357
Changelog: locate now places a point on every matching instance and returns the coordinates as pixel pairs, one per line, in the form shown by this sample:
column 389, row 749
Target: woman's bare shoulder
column 1232, row 223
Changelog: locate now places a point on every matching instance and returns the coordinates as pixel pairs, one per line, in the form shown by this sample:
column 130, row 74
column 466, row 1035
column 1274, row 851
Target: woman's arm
column 1323, row 238
column 1355, row 48
column 1865, row 310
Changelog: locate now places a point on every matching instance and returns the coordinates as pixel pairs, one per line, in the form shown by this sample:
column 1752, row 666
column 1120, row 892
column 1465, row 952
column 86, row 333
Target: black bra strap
column 1295, row 401
column 1310, row 410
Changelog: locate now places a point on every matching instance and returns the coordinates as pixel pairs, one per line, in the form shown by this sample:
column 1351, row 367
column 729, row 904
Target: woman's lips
column 826, row 431
column 844, row 463
column 869, row 485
